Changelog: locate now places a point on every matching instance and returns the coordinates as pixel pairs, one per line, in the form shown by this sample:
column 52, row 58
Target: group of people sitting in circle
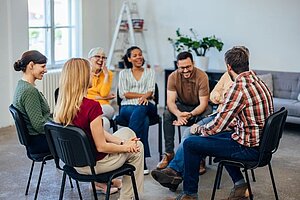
column 231, row 130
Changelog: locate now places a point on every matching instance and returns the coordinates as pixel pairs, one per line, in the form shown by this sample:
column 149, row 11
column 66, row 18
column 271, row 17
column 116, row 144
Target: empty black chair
column 118, row 120
column 71, row 145
column 269, row 143
column 25, row 139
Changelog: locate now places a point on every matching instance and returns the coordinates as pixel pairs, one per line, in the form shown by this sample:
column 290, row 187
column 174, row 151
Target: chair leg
column 29, row 178
column 40, row 177
column 115, row 126
column 160, row 139
column 217, row 180
column 253, row 175
column 78, row 189
column 179, row 134
column 273, row 181
column 220, row 176
column 94, row 190
column 248, row 184
column 108, row 188
column 136, row 194
column 71, row 184
column 62, row 188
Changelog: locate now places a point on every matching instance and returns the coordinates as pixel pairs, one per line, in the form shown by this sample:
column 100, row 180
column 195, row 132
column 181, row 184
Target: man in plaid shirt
column 235, row 131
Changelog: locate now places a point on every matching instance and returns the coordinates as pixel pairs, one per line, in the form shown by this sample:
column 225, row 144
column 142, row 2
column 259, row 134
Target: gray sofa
column 285, row 87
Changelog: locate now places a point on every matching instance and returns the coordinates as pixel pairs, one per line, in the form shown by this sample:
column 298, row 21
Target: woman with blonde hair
column 112, row 150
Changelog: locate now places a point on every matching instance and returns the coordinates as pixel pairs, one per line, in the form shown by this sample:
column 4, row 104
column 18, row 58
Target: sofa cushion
column 285, row 84
column 293, row 106
column 268, row 80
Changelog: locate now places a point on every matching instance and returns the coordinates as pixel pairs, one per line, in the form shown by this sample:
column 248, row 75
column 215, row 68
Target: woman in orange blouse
column 102, row 79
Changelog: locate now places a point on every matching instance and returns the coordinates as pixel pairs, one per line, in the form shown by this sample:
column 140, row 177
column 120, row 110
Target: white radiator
column 48, row 86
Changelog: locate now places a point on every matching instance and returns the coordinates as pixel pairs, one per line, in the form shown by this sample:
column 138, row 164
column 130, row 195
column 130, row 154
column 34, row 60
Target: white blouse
column 128, row 83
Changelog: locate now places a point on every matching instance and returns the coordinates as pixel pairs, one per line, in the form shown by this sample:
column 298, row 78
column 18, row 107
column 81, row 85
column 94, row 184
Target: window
column 54, row 29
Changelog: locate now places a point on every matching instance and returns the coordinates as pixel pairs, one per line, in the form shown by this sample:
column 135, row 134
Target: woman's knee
column 125, row 133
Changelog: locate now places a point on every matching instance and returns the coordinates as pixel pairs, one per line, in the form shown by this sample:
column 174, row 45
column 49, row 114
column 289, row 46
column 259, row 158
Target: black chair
column 71, row 145
column 25, row 140
column 269, row 143
column 118, row 120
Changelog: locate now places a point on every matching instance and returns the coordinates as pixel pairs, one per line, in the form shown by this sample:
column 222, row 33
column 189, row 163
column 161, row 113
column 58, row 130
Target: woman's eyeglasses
column 100, row 57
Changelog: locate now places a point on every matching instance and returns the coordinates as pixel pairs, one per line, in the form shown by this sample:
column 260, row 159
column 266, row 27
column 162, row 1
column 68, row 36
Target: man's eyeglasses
column 183, row 68
column 100, row 57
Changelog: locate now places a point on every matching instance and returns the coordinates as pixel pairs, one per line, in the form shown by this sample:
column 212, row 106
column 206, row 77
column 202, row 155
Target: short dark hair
column 29, row 56
column 184, row 55
column 238, row 59
column 128, row 55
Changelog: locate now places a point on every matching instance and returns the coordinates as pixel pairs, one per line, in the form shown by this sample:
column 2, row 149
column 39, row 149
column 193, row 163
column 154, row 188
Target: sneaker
column 167, row 177
column 167, row 157
column 146, row 170
column 239, row 192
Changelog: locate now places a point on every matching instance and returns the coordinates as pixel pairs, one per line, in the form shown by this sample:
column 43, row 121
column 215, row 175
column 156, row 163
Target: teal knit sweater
column 33, row 105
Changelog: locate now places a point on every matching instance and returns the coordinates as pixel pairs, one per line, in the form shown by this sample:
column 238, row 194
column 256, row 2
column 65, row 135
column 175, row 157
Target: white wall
column 95, row 25
column 270, row 29
column 13, row 41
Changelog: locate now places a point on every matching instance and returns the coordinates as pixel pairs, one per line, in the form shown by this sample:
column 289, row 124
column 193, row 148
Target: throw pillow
column 268, row 80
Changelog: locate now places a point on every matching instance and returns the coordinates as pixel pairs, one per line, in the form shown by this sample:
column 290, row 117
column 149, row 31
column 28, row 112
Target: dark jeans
column 177, row 163
column 38, row 144
column 138, row 118
column 219, row 145
column 169, row 128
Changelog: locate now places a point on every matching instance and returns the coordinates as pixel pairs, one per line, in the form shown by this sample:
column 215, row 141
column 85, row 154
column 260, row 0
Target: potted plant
column 196, row 45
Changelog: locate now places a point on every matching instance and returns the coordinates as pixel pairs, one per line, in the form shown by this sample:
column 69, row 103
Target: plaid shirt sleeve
column 233, row 104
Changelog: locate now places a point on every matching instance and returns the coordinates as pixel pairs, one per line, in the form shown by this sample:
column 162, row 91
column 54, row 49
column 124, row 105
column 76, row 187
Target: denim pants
column 219, row 145
column 169, row 128
column 177, row 163
column 138, row 118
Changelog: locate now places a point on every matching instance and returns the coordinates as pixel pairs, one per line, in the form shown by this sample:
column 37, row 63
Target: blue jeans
column 138, row 119
column 219, row 145
column 178, row 161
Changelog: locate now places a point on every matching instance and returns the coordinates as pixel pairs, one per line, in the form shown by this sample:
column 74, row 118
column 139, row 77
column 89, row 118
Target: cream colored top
column 219, row 91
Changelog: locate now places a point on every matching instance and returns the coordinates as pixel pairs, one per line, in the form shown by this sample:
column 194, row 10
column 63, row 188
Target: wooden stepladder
column 125, row 36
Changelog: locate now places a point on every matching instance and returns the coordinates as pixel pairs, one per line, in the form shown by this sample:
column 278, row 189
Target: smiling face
column 136, row 58
column 185, row 67
column 38, row 70
column 98, row 61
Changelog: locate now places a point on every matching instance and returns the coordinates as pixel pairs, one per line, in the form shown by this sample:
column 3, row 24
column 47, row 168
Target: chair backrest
column 271, row 136
column 56, row 92
column 156, row 96
column 70, row 144
column 21, row 127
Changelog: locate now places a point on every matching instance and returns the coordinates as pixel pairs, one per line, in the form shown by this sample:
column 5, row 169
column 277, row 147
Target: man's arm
column 171, row 99
column 201, row 107
column 182, row 117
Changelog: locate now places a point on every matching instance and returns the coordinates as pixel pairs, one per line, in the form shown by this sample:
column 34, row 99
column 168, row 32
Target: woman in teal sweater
column 29, row 101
